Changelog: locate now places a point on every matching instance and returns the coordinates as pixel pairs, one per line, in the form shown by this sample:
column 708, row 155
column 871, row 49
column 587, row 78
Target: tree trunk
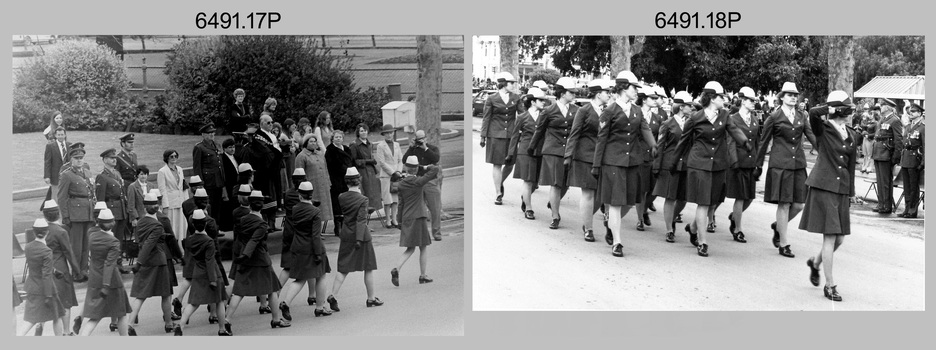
column 429, row 86
column 622, row 50
column 510, row 55
column 841, row 63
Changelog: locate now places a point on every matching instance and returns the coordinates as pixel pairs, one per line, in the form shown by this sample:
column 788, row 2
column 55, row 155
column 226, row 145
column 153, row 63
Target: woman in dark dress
column 63, row 260
column 831, row 184
column 356, row 251
column 786, row 173
column 580, row 151
column 549, row 140
column 527, row 166
column 362, row 152
column 671, row 184
column 338, row 159
column 106, row 295
column 151, row 276
column 703, row 151
column 207, row 278
column 309, row 262
column 618, row 156
column 648, row 98
column 42, row 302
column 740, row 182
column 497, row 121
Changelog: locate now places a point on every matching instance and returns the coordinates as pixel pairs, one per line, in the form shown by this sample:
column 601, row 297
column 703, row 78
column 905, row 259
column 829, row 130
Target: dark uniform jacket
column 41, row 271
column 787, row 150
column 53, row 161
column 255, row 248
column 127, row 165
column 307, row 221
column 656, row 121
column 704, row 145
column 523, row 135
column 835, row 166
column 76, row 196
column 240, row 238
column 202, row 251
column 354, row 208
column 666, row 158
column 289, row 226
column 914, row 146
column 109, row 188
column 149, row 234
column 498, row 117
column 888, row 141
column 552, row 130
column 412, row 204
column 105, row 252
column 618, row 140
column 584, row 134
column 62, row 256
column 206, row 163
column 738, row 155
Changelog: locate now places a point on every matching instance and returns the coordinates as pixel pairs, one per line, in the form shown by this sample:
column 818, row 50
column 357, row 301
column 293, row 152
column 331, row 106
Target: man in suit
column 109, row 188
column 229, row 166
column 429, row 155
column 127, row 161
column 888, row 144
column 912, row 160
column 76, row 202
column 54, row 158
column 206, row 160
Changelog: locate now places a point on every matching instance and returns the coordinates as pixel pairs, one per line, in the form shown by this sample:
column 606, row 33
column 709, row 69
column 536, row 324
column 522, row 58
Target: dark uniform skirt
column 785, row 186
column 552, row 171
column 65, row 288
column 671, row 185
column 826, row 212
column 580, row 176
column 415, row 233
column 305, row 268
column 646, row 178
column 705, row 187
column 618, row 185
column 36, row 310
column 202, row 294
column 151, row 281
column 255, row 281
column 351, row 260
column 527, row 168
column 495, row 150
column 116, row 304
column 741, row 184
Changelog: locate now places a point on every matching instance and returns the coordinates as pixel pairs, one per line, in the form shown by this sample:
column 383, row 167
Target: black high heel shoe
column 617, row 250
column 176, row 306
column 284, row 309
column 333, row 303
column 169, row 328
column 640, row 225
column 177, row 331
column 710, row 228
column 671, row 237
column 529, row 215
column 678, row 218
column 310, row 300
column 646, row 219
column 589, row 235
column 224, row 333
column 174, row 316
column 322, row 312
column 395, row 277
column 424, row 279
column 813, row 272
column 776, row 235
column 522, row 205
column 693, row 237
column 738, row 237
column 555, row 223
column 831, row 293
column 375, row 302
column 731, row 223
column 703, row 249
column 113, row 327
column 130, row 331
column 227, row 328
column 281, row 323
column 266, row 310
column 785, row 251
column 212, row 319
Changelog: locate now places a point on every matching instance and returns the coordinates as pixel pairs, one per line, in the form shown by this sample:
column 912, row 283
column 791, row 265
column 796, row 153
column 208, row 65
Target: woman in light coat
column 170, row 181
column 389, row 160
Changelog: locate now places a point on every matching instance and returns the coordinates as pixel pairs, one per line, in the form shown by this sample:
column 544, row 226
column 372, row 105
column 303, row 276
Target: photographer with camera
column 429, row 155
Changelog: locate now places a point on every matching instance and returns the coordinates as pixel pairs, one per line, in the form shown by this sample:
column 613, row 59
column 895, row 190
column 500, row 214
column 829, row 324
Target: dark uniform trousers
column 912, row 162
column 76, row 202
column 888, row 143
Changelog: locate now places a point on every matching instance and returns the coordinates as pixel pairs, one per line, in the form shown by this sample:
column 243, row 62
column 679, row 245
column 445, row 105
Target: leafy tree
column 550, row 76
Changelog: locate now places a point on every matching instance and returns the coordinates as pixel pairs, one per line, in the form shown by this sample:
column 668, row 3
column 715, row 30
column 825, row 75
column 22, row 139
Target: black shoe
column 703, row 249
column 224, row 333
column 76, row 325
column 911, row 216
column 113, row 327
column 651, row 207
column 785, row 251
column 169, row 328
column 322, row 312
column 609, row 238
column 285, row 310
column 310, row 300
column 589, row 235
column 646, row 219
column 885, row 211
column 38, row 330
column 395, row 277
column 424, row 279
column 813, row 273
column 499, row 200
column 174, row 316
column 332, row 303
column 671, row 237
column 212, row 319
column 738, row 237
column 130, row 331
column 529, row 215
column 266, row 310
column 710, row 228
column 640, row 225
column 375, row 302
column 678, row 218
column 176, row 306
column 617, row 250
column 876, row 209
column 227, row 328
column 831, row 293
column 776, row 235
column 555, row 224
column 281, row 323
column 136, row 319
column 548, row 205
column 177, row 331
column 522, row 205
column 693, row 237
column 731, row 224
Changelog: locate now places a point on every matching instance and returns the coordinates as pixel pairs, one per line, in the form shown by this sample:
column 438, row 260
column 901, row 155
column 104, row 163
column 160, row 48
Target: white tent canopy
column 894, row 87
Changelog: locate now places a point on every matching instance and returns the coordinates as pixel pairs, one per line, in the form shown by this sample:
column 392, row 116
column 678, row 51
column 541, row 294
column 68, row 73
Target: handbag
column 130, row 248
column 395, row 187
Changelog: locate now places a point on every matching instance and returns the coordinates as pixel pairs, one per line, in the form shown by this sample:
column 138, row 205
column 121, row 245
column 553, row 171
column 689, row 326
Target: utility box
column 399, row 114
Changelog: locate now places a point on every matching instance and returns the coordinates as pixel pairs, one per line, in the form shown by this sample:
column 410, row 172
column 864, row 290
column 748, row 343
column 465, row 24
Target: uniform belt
column 79, row 196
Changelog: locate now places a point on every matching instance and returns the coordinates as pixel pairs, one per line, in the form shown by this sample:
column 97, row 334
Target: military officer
column 912, row 160
column 126, row 164
column 206, row 160
column 110, row 189
column 888, row 143
column 76, row 195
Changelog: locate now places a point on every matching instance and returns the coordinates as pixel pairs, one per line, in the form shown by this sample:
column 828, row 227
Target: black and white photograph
column 238, row 185
column 688, row 173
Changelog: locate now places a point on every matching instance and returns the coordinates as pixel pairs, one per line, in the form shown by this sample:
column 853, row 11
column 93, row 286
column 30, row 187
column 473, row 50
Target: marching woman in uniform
column 207, row 277
column 580, row 152
column 703, row 151
column 151, row 276
column 255, row 276
column 912, row 161
column 356, row 251
column 527, row 166
column 618, row 156
column 648, row 99
column 671, row 184
column 240, row 239
column 831, row 184
column 309, row 263
column 740, row 182
column 42, row 302
column 499, row 115
column 549, row 140
column 106, row 296
column 362, row 152
column 63, row 261
column 170, row 245
column 786, row 172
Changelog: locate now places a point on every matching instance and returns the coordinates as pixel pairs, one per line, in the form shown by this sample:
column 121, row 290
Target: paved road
column 411, row 309
column 522, row 265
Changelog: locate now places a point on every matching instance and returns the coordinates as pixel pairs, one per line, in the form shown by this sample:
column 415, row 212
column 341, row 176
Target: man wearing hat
column 429, row 155
column 76, row 202
column 110, row 189
column 206, row 162
column 388, row 158
column 55, row 156
column 127, row 161
column 413, row 232
column 886, row 151
column 500, row 112
column 912, row 160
